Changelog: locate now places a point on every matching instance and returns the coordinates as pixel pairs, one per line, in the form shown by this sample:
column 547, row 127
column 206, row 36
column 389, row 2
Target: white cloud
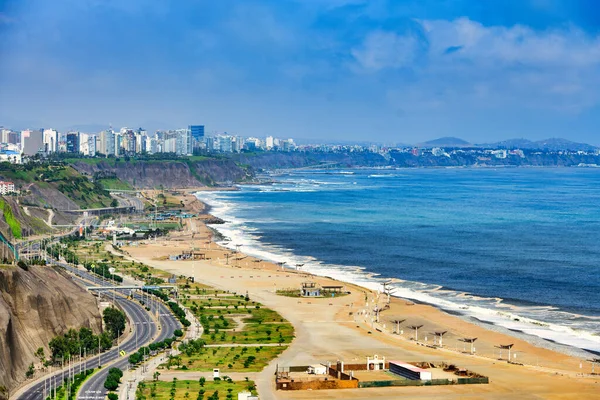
column 382, row 50
column 462, row 61
column 518, row 44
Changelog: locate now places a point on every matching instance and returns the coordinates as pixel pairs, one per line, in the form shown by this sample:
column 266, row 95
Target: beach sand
column 331, row 329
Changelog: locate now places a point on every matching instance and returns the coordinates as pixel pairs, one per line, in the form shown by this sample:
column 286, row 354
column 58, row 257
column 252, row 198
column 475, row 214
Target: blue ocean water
column 498, row 244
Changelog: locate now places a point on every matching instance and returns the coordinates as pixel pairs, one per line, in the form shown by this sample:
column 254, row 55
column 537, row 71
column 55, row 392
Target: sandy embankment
column 332, row 329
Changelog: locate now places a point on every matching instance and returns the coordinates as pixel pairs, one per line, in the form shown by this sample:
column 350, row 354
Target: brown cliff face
column 170, row 174
column 35, row 306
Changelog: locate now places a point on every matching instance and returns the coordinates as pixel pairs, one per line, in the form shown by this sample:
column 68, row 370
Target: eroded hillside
column 35, row 306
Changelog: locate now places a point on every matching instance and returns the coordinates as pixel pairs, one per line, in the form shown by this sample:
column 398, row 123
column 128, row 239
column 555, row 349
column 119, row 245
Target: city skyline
column 387, row 71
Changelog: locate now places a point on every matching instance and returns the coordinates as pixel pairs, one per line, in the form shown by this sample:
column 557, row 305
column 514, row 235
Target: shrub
column 115, row 372
column 111, row 383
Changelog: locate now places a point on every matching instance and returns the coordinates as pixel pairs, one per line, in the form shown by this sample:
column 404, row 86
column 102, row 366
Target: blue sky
column 386, row 71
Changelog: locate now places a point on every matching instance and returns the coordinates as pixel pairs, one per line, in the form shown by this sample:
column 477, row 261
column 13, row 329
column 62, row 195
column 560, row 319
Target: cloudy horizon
column 384, row 71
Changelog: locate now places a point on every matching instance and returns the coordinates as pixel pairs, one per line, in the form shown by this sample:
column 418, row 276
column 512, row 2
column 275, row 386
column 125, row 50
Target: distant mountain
column 446, row 142
column 552, row 144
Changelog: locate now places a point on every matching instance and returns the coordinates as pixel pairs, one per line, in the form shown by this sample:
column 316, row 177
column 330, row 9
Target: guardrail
column 10, row 246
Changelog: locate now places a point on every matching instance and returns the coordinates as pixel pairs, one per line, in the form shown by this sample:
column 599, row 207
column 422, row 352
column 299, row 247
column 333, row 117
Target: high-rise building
column 73, row 142
column 197, row 132
column 225, row 143
column 184, row 142
column 32, row 142
column 5, row 134
column 87, row 144
column 106, row 142
column 129, row 142
column 50, row 141
column 269, row 142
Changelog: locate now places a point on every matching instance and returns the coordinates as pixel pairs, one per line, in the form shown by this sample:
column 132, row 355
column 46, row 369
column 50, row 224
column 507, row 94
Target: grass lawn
column 298, row 293
column 114, row 184
column 147, row 225
column 231, row 359
column 167, row 390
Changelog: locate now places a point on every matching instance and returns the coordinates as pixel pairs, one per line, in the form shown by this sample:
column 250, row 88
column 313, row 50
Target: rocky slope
column 35, row 306
column 278, row 160
column 169, row 174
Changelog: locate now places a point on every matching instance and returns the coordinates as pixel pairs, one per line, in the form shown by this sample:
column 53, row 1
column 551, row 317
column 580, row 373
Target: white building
column 11, row 156
column 50, row 141
column 500, row 154
column 106, row 142
column 7, row 187
column 4, row 133
column 269, row 142
column 184, row 142
column 253, row 143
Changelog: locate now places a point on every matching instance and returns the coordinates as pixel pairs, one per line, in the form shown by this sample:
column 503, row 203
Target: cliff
column 35, row 306
column 171, row 174
column 18, row 222
column 400, row 159
column 278, row 160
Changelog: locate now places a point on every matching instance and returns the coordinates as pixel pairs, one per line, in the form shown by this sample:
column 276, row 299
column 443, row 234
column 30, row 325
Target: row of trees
column 102, row 269
column 77, row 342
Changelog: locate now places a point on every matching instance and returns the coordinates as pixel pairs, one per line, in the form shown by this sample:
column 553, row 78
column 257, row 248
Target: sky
column 377, row 70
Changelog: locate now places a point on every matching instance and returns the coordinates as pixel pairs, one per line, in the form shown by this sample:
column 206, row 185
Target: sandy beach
column 330, row 329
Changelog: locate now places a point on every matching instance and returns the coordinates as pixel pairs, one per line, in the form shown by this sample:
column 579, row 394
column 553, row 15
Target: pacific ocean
column 524, row 241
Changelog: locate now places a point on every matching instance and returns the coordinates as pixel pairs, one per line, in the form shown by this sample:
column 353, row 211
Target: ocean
column 513, row 247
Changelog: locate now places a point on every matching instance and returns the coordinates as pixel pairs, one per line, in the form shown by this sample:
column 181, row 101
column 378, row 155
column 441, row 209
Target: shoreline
column 342, row 328
column 501, row 321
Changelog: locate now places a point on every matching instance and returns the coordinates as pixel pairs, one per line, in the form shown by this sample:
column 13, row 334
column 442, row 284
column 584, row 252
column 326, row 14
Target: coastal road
column 135, row 312
column 94, row 388
column 144, row 331
column 127, row 200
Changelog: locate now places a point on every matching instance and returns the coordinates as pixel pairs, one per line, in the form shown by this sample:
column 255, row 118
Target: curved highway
column 93, row 388
column 144, row 330
column 136, row 313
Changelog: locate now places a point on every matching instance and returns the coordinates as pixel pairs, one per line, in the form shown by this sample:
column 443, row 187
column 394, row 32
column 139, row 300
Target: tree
column 30, row 371
column 105, row 341
column 113, row 396
column 156, row 375
column 115, row 372
column 202, row 381
column 40, row 354
column 135, row 358
column 114, row 320
column 111, row 383
column 114, row 203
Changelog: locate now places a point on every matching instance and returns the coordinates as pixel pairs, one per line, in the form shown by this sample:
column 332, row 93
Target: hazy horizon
column 380, row 71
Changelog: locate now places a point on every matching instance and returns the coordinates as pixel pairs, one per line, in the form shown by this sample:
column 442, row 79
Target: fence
column 433, row 382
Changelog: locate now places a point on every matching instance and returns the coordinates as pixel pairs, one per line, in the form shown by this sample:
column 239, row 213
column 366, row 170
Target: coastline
column 261, row 278
column 505, row 319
